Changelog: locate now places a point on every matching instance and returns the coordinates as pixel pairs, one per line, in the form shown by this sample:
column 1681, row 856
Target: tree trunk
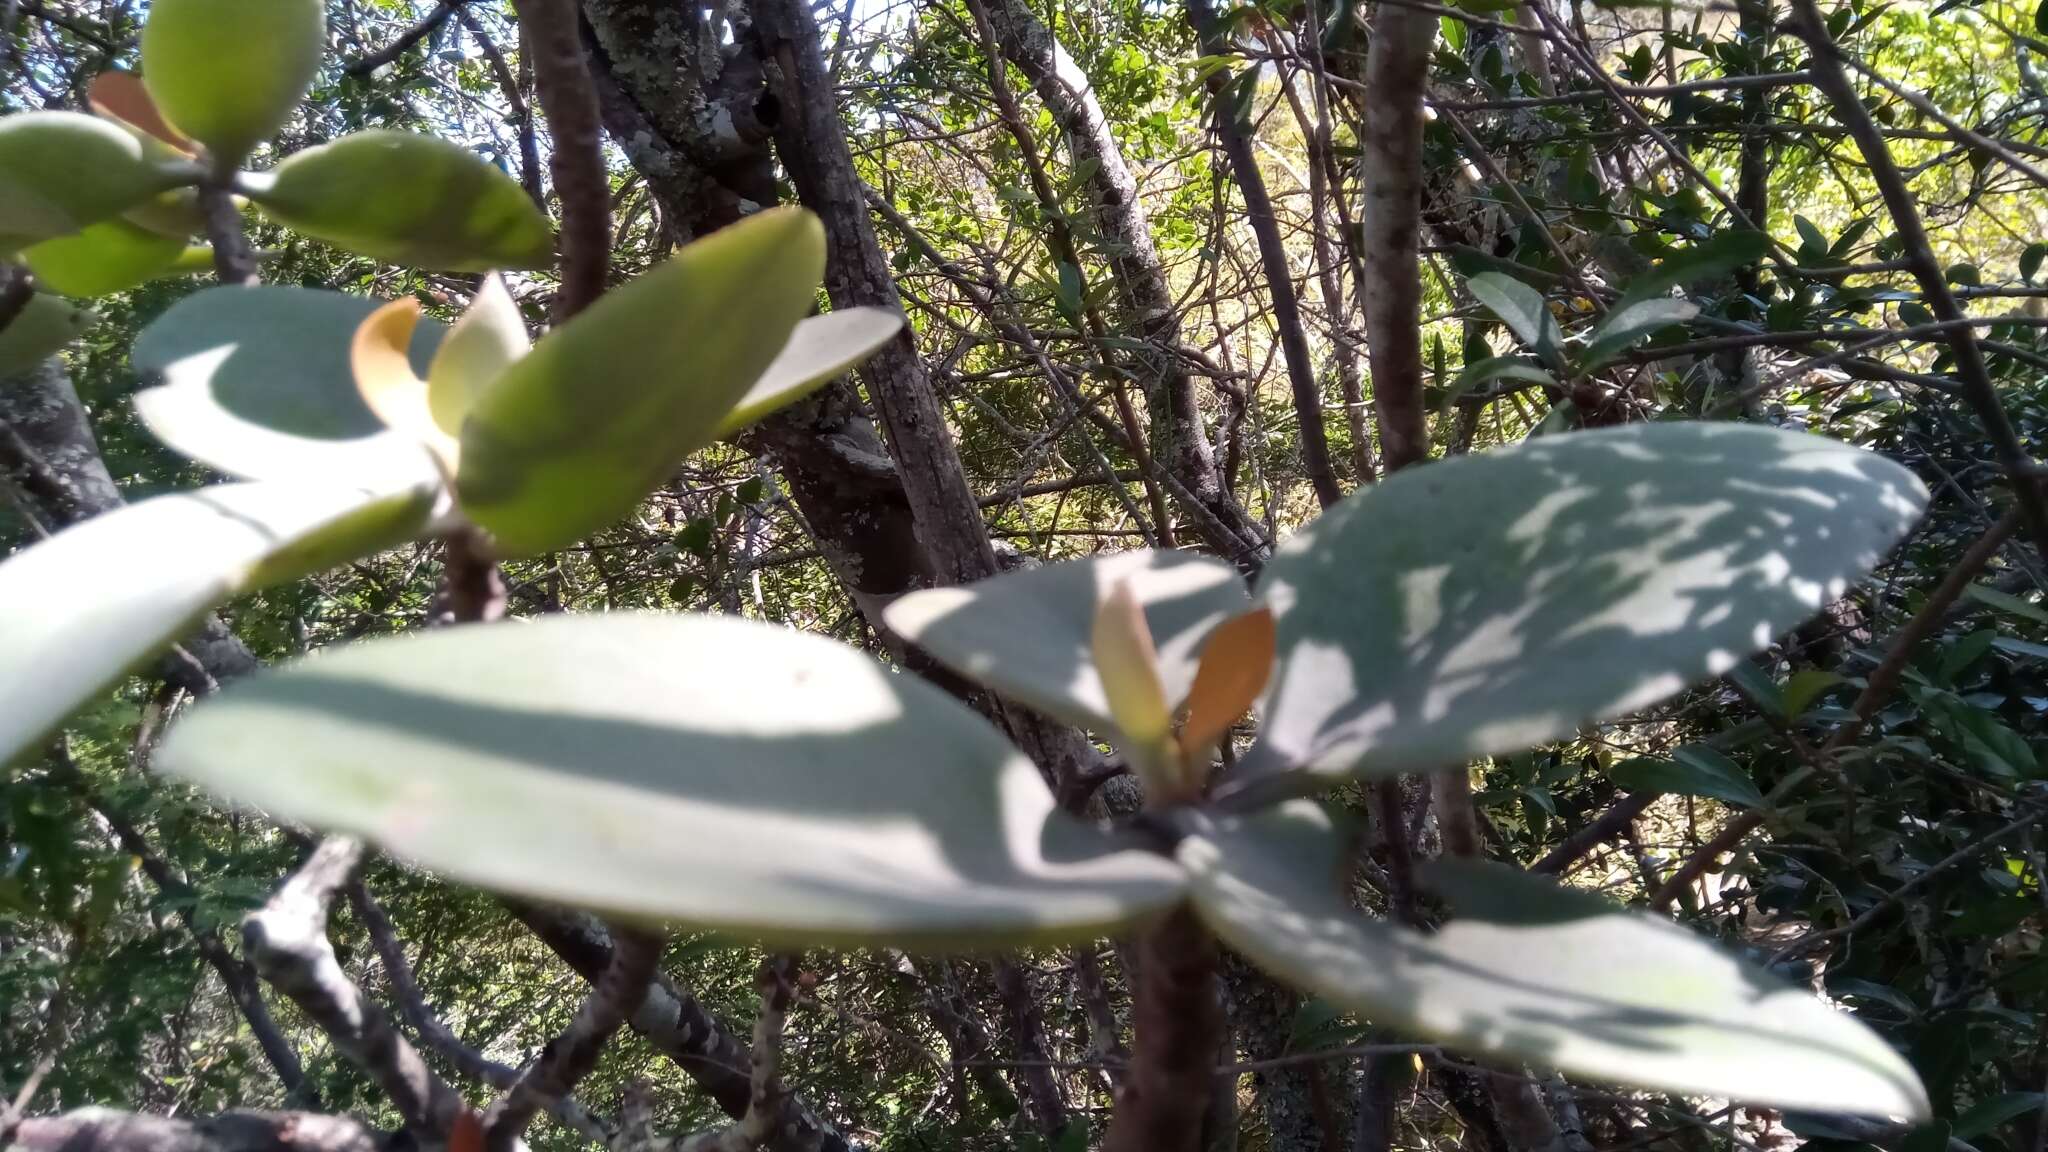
column 1140, row 278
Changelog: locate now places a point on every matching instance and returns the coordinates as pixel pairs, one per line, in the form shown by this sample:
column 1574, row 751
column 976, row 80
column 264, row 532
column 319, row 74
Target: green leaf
column 1029, row 634
column 1805, row 687
column 85, row 606
column 257, row 384
column 1521, row 308
column 1711, row 259
column 2041, row 18
column 1564, row 982
column 1631, row 323
column 1915, row 313
column 41, row 330
column 1986, row 1116
column 489, row 338
column 703, row 770
column 820, row 348
column 1694, row 770
column 573, row 436
column 229, row 73
column 2007, row 603
column 1490, row 369
column 2030, row 261
column 406, row 199
column 1484, row 604
column 2025, row 648
column 1813, row 243
column 60, row 171
column 1069, row 295
column 111, row 256
column 1966, row 275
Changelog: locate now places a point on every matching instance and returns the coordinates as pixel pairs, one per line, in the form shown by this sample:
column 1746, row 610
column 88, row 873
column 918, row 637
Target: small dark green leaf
column 1915, row 313
column 1987, row 1116
column 2008, row 603
column 1521, row 308
column 1805, row 687
column 1630, row 323
column 1694, row 770
column 1813, row 243
column 1491, row 369
column 2030, row 261
column 1966, row 275
column 1718, row 255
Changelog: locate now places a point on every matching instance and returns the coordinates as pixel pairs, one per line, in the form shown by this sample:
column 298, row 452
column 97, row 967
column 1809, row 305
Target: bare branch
column 562, row 81
column 411, row 36
column 570, row 1057
column 107, row 1130
column 287, row 941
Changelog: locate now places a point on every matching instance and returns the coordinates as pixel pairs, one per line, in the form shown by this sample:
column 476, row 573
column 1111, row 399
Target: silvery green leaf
column 1534, row 973
column 90, row 603
column 256, row 383
column 701, row 770
column 1485, row 604
column 1027, row 634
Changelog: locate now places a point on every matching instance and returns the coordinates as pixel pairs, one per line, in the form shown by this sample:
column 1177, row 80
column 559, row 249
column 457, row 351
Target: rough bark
column 1258, row 206
column 1178, row 1027
column 1263, row 1017
column 106, row 1130
column 1139, row 275
column 811, row 141
column 1396, row 66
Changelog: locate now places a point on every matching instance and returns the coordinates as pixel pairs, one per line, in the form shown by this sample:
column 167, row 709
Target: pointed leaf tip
column 1538, row 974
column 1129, row 665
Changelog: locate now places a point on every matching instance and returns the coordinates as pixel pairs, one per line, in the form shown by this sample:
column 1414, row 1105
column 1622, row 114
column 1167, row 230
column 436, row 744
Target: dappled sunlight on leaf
column 1609, row 995
column 1486, row 604
column 1029, row 634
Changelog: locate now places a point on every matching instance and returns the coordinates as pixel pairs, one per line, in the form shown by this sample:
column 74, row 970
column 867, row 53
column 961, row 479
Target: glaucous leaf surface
column 1534, row 973
column 257, row 384
column 572, row 436
column 821, row 347
column 1489, row 603
column 702, row 770
column 1029, row 634
column 90, row 603
column 110, row 256
column 489, row 337
column 44, row 326
column 60, row 171
column 407, row 199
column 229, row 73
